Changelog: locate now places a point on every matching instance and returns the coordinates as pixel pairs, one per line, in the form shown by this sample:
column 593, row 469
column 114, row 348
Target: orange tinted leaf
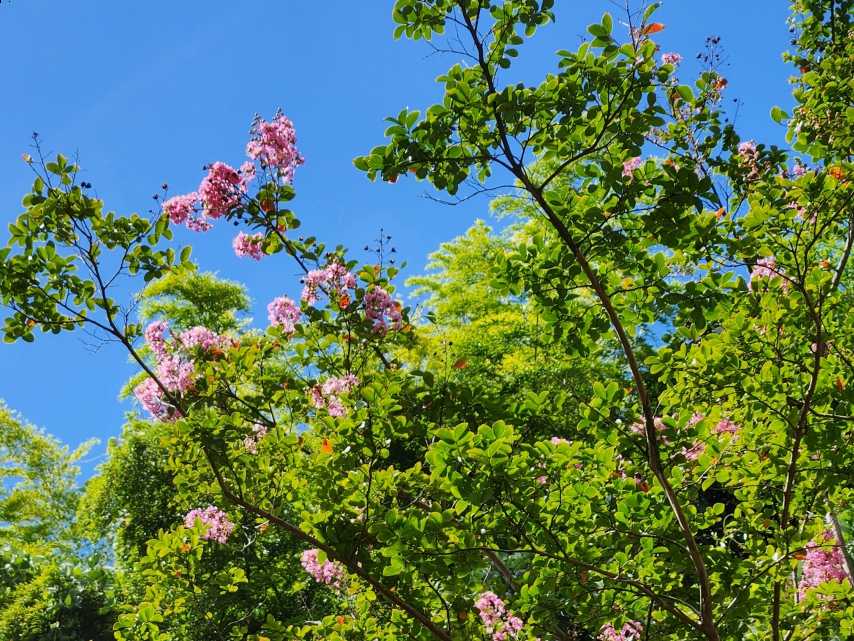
column 461, row 364
column 652, row 27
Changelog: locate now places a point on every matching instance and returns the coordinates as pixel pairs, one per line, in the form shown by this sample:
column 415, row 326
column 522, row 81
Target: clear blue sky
column 148, row 92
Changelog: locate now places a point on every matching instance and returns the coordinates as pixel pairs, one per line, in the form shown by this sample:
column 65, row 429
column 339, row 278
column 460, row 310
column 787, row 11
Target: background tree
column 52, row 584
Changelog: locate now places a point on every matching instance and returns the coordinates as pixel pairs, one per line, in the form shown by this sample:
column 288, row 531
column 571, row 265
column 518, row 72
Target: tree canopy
column 627, row 415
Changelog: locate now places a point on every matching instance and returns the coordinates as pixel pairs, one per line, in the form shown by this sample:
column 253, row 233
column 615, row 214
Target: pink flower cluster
column 259, row 431
column 557, row 440
column 150, row 396
column 747, row 150
column 630, row 165
column 639, row 427
column 155, row 337
column 824, row 562
column 671, row 58
column 200, row 337
column 695, row 451
column 328, row 572
column 176, row 373
column 382, row 312
column 332, row 279
column 723, row 426
column 218, row 193
column 220, row 190
column 218, row 527
column 631, row 631
column 283, row 312
column 766, row 268
column 248, row 245
column 175, row 368
column 726, row 426
column 748, row 155
column 181, row 208
column 328, row 395
column 273, row 144
column 497, row 621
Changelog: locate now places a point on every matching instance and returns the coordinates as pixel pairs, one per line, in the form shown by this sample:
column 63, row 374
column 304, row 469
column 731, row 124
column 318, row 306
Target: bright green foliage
column 59, row 603
column 635, row 406
column 131, row 498
column 54, row 261
column 38, row 493
column 189, row 298
column 46, row 591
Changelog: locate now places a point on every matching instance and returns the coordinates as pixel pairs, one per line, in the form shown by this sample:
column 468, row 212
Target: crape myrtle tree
column 697, row 489
column 132, row 500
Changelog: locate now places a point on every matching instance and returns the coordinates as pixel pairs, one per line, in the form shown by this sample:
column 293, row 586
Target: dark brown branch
column 654, row 456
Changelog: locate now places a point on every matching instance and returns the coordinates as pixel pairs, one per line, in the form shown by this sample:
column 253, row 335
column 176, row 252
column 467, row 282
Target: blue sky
column 148, row 92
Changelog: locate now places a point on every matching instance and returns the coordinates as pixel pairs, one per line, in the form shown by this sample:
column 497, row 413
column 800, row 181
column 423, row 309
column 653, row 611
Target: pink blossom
column 824, row 563
column 696, row 417
column 176, row 373
column 259, row 431
column 200, row 337
column 339, row 385
column 283, row 312
column 217, row 526
column 557, row 440
column 328, row 395
column 497, row 620
column 249, row 245
column 328, row 572
column 312, row 282
column 766, row 268
column 671, row 58
column 220, row 190
column 747, row 150
column 381, row 311
column 199, row 224
column 639, row 427
column 491, row 609
column 334, row 279
column 150, row 396
column 695, row 451
column 247, row 175
column 514, row 625
column 726, row 426
column 798, row 170
column 273, row 144
column 335, row 406
column 631, row 631
column 180, row 208
column 155, row 336
column 630, row 165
